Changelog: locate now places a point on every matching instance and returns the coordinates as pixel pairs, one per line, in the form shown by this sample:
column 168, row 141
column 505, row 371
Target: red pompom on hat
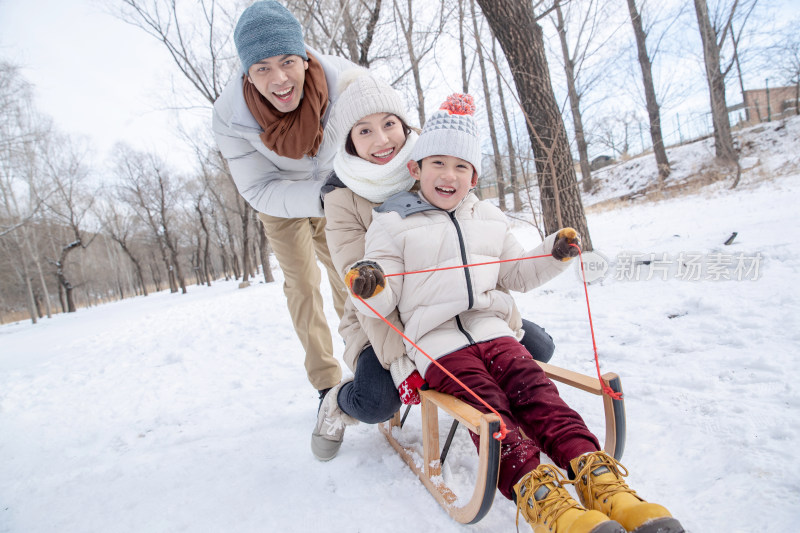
column 459, row 104
column 451, row 130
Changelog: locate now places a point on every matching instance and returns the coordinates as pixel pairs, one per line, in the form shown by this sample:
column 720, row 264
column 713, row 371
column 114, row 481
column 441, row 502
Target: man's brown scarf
column 298, row 132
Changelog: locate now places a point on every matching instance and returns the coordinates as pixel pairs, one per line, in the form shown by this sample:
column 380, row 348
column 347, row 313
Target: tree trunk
column 206, row 253
column 43, row 284
column 464, row 70
column 136, row 264
column 498, row 162
column 723, row 139
column 512, row 152
column 263, row 246
column 62, row 277
column 653, row 109
column 522, row 41
column 246, row 216
column 574, row 103
column 173, row 264
column 29, row 291
column 407, row 28
column 154, row 273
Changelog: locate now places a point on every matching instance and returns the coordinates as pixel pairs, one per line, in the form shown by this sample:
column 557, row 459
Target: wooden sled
column 430, row 471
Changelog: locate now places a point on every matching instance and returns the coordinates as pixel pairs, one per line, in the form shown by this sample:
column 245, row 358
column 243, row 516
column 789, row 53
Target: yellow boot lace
column 556, row 503
column 607, row 487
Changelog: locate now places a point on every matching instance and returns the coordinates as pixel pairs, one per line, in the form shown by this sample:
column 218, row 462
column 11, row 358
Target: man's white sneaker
column 331, row 422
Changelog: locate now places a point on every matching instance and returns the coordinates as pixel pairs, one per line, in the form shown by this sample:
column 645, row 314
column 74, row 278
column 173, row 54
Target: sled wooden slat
column 484, row 425
column 430, row 471
column 462, row 412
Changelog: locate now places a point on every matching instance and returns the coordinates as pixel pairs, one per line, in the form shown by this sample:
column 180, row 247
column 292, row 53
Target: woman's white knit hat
column 451, row 130
column 362, row 94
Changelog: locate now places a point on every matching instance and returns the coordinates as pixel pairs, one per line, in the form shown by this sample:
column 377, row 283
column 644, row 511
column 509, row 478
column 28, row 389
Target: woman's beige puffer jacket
column 347, row 218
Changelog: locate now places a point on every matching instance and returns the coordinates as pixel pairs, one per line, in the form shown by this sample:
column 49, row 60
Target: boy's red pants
column 504, row 374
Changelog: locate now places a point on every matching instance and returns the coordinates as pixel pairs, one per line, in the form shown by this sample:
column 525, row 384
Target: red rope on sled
column 605, row 388
column 500, row 435
column 503, row 430
column 466, row 266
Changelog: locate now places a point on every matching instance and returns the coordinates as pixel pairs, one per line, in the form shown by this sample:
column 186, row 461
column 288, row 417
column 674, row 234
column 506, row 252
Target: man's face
column 280, row 80
column 444, row 180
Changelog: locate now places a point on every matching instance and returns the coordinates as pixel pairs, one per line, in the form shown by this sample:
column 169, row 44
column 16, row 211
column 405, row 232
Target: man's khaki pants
column 297, row 243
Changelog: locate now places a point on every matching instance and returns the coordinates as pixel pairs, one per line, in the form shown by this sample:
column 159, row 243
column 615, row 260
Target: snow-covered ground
column 193, row 413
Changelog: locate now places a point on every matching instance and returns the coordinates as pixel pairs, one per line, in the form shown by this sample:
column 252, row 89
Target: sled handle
column 614, row 444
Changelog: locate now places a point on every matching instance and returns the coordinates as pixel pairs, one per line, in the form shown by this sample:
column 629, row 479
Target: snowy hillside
column 767, row 150
column 193, row 413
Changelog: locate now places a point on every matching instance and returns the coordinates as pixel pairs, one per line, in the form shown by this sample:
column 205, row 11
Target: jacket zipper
column 467, row 275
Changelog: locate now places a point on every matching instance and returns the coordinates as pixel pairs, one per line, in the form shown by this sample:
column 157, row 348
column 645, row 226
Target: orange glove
column 365, row 279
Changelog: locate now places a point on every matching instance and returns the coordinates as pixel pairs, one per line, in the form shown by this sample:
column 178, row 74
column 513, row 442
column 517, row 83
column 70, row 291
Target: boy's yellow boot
column 548, row 508
column 599, row 484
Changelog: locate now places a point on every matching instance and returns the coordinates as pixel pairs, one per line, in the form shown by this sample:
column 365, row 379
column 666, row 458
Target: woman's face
column 378, row 138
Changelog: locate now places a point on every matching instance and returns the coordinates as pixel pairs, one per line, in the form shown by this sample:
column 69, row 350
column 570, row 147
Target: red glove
column 409, row 393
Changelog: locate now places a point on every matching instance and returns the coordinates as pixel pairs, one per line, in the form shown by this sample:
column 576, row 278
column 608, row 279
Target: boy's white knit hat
column 362, row 94
column 451, row 130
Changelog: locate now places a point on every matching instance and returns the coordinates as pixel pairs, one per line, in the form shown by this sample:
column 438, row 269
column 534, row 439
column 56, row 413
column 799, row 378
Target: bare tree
column 615, row 132
column 121, row 225
column 653, row 109
column 197, row 36
column 785, row 56
column 345, row 28
column 202, row 50
column 586, row 43
column 521, row 38
column 418, row 43
column 498, row 163
column 714, row 34
column 71, row 203
column 23, row 133
column 21, row 130
column 512, row 155
column 152, row 193
column 202, row 205
column 463, row 47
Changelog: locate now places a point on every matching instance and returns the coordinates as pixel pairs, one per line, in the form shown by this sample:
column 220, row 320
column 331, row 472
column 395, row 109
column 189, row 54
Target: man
column 270, row 125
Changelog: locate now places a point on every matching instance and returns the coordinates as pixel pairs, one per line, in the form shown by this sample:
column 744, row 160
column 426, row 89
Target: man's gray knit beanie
column 453, row 131
column 267, row 29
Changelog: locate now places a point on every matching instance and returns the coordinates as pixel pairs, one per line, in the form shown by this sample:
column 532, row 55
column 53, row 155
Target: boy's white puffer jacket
column 446, row 310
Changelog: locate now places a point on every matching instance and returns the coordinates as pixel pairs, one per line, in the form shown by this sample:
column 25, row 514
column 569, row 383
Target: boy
column 459, row 317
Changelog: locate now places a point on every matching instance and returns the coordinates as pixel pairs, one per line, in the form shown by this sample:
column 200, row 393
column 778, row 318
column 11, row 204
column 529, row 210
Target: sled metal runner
column 484, row 425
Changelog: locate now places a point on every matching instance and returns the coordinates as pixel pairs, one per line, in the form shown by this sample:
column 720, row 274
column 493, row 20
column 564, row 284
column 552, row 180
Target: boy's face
column 280, row 80
column 444, row 180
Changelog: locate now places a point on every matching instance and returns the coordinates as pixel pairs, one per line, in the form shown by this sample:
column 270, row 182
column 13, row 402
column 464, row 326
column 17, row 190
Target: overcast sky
column 94, row 74
column 105, row 79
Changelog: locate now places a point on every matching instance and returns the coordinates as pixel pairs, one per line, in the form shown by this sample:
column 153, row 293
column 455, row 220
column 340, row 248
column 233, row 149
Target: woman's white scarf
column 375, row 182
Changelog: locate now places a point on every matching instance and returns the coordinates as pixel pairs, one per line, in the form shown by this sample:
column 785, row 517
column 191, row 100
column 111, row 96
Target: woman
column 370, row 166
